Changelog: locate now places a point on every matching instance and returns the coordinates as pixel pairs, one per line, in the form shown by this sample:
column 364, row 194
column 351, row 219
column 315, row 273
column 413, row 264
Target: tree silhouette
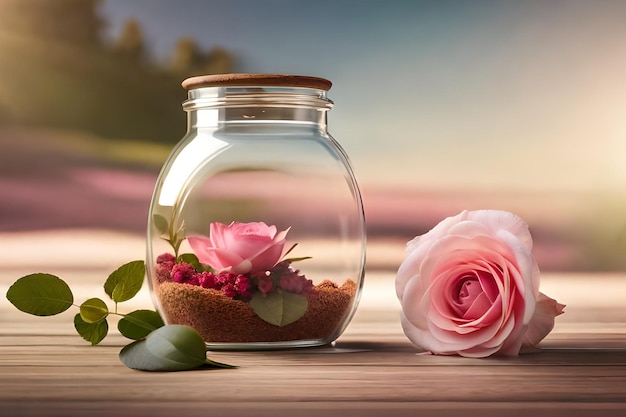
column 188, row 59
column 218, row 61
column 131, row 41
column 186, row 56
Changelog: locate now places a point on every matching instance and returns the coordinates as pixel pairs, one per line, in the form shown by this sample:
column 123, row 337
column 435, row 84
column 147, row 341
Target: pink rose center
column 470, row 288
column 470, row 301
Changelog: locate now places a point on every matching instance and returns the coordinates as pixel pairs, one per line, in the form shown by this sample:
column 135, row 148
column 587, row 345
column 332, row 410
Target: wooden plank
column 46, row 369
column 156, row 408
column 378, row 371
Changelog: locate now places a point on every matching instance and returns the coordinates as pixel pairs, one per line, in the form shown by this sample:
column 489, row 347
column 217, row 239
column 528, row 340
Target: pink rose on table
column 470, row 286
column 240, row 248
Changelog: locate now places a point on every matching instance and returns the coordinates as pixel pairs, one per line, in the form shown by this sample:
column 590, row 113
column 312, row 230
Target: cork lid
column 257, row 80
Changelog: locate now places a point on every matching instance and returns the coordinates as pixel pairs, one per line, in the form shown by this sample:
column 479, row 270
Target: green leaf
column 126, row 281
column 178, row 343
column 138, row 324
column 136, row 356
column 302, row 258
column 93, row 310
column 40, row 295
column 169, row 348
column 193, row 260
column 91, row 332
column 160, row 223
column 279, row 307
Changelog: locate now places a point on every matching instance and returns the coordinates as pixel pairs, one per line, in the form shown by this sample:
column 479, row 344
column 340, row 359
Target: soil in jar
column 221, row 319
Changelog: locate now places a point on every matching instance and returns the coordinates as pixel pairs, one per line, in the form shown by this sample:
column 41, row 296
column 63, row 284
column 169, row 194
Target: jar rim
column 253, row 79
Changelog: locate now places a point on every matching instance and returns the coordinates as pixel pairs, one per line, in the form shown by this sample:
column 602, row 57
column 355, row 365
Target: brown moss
column 220, row 319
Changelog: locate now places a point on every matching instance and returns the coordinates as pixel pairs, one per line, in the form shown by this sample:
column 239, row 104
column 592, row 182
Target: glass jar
column 256, row 233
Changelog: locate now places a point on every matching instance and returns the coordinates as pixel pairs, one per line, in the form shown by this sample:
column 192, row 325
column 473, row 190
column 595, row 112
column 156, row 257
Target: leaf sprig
column 47, row 295
column 169, row 233
column 157, row 347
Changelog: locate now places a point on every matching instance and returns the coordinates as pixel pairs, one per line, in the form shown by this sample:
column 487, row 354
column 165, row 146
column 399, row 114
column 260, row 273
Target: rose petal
column 266, row 259
column 216, row 235
column 497, row 220
column 488, row 283
column 408, row 269
column 478, row 352
column 526, row 273
column 416, row 335
column 252, row 229
column 505, row 329
column 246, row 246
column 416, row 302
column 220, row 259
column 436, row 233
column 242, row 268
column 542, row 321
column 423, row 339
column 463, row 337
column 469, row 229
column 510, row 345
column 479, row 307
column 268, row 255
column 281, row 236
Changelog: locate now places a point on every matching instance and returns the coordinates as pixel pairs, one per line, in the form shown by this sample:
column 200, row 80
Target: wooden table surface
column 372, row 370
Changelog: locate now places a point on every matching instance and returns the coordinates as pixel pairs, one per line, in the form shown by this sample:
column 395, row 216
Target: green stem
column 137, row 322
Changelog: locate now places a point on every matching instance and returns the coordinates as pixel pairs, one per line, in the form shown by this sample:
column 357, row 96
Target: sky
column 443, row 94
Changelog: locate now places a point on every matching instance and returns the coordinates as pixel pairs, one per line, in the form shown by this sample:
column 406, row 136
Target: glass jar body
column 256, row 235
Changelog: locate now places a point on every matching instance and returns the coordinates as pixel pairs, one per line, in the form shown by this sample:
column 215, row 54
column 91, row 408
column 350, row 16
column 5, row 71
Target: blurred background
column 442, row 106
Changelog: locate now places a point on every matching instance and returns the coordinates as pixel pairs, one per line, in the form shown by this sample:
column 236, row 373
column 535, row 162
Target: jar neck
column 221, row 107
